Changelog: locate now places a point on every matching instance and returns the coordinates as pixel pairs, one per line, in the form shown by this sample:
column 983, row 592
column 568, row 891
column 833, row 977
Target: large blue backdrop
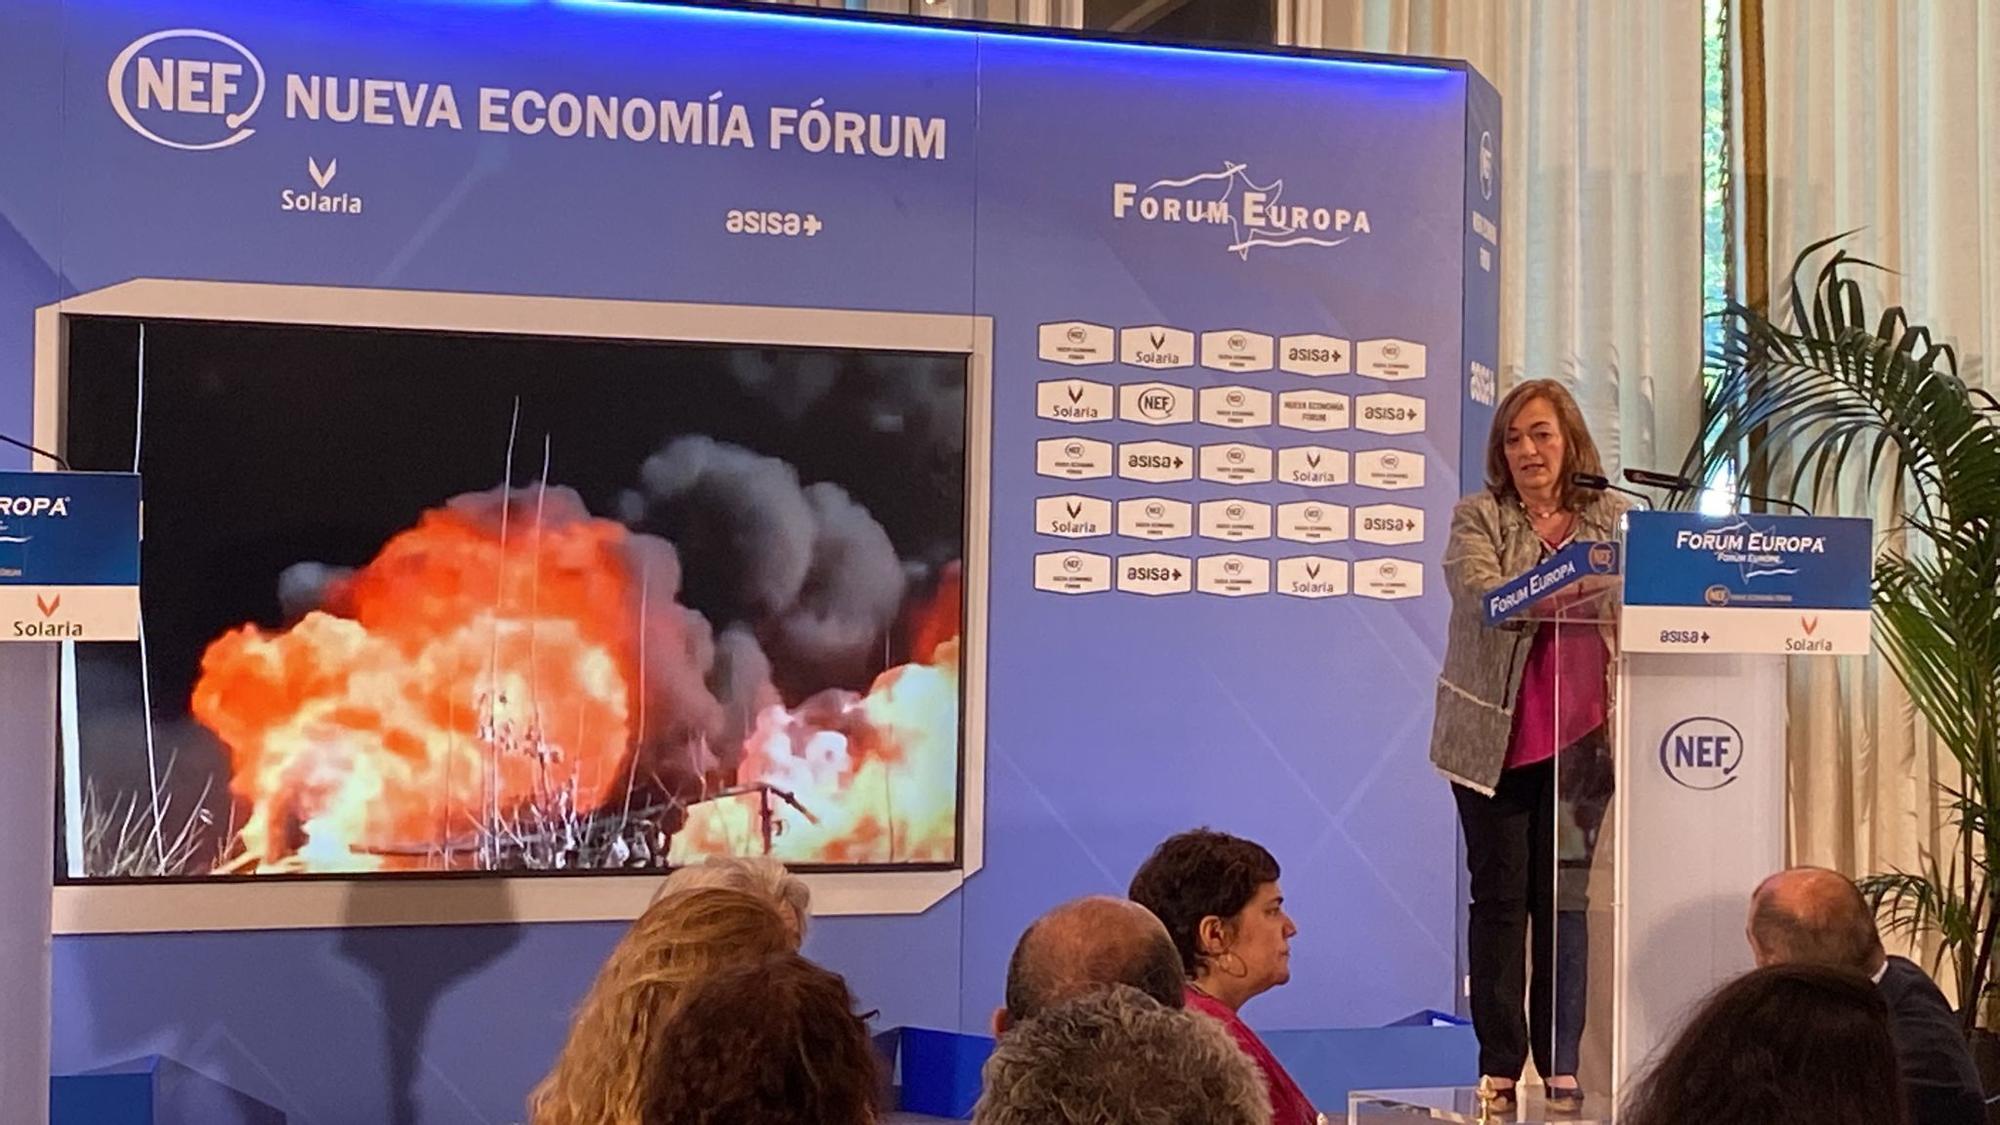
column 1125, row 215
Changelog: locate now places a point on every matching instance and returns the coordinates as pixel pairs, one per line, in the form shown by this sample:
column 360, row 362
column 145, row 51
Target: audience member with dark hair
column 1089, row 943
column 1813, row 916
column 1114, row 1056
column 1218, row 896
column 768, row 1042
column 1789, row 1045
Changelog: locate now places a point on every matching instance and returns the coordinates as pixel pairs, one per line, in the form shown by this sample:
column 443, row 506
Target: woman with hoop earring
column 1218, row 896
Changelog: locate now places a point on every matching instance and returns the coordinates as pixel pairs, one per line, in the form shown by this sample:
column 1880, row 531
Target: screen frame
column 201, row 904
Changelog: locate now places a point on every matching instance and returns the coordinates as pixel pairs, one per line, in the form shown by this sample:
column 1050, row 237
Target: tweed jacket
column 1491, row 541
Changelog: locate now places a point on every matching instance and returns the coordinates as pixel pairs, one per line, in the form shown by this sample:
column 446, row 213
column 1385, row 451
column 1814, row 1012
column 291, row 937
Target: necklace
column 1549, row 513
column 1211, row 995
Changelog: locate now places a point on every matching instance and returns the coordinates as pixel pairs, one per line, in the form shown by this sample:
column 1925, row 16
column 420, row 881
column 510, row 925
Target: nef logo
column 187, row 88
column 1702, row 753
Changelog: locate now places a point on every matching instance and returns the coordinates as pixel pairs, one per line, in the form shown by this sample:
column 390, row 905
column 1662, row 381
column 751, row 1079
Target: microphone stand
column 19, row 444
column 1596, row 483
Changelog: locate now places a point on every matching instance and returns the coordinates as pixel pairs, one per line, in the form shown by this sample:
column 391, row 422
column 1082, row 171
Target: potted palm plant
column 1837, row 398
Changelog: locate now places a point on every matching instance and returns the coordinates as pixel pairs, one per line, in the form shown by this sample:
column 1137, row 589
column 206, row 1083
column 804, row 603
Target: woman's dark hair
column 1196, row 874
column 774, row 1041
column 1785, row 1045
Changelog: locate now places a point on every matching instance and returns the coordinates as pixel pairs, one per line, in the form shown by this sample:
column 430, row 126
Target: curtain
column 1601, row 226
column 1882, row 117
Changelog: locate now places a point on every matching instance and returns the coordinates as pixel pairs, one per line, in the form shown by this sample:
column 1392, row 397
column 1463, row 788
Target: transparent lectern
column 1649, row 769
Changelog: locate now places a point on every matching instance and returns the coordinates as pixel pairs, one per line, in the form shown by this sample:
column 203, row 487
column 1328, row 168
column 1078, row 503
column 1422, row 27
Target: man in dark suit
column 1816, row 916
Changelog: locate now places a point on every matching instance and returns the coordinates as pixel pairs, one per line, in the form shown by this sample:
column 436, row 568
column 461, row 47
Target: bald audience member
column 1085, row 944
column 1814, row 916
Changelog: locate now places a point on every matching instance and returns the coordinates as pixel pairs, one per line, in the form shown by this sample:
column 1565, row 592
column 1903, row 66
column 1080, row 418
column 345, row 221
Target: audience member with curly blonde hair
column 760, row 875
column 682, row 939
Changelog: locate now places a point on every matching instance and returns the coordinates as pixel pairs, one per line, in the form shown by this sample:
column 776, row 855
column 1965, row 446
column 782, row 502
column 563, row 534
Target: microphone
column 1597, row 483
column 18, row 443
column 1650, row 479
column 1647, row 478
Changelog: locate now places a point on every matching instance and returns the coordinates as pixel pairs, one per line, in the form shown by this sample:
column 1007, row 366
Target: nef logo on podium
column 1702, row 752
column 187, row 88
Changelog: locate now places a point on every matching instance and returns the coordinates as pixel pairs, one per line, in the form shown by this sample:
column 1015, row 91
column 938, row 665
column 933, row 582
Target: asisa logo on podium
column 187, row 88
column 1702, row 752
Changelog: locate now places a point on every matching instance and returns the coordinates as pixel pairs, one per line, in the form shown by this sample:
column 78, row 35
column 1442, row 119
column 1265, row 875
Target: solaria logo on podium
column 187, row 88
column 1702, row 753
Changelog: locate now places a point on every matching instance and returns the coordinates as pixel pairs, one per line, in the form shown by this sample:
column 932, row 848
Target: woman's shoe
column 1501, row 1099
column 1564, row 1099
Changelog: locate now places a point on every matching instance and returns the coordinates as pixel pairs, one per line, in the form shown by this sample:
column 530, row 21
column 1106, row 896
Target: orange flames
column 452, row 690
column 366, row 731
column 874, row 776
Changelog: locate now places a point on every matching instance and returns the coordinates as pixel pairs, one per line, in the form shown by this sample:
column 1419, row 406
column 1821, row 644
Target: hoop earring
column 1241, row 970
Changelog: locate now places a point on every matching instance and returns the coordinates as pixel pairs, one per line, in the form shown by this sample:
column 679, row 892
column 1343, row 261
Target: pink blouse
column 1289, row 1105
column 1548, row 720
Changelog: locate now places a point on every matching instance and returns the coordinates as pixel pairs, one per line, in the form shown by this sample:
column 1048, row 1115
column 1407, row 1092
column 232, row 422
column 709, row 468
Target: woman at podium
column 1521, row 715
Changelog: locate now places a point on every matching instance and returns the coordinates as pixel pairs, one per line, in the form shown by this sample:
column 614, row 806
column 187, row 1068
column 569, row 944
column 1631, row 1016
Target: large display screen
column 426, row 601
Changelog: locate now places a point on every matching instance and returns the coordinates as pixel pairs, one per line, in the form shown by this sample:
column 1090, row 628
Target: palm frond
column 1836, row 398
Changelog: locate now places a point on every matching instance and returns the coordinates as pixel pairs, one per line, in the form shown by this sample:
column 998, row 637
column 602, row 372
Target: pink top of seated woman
column 1219, row 898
